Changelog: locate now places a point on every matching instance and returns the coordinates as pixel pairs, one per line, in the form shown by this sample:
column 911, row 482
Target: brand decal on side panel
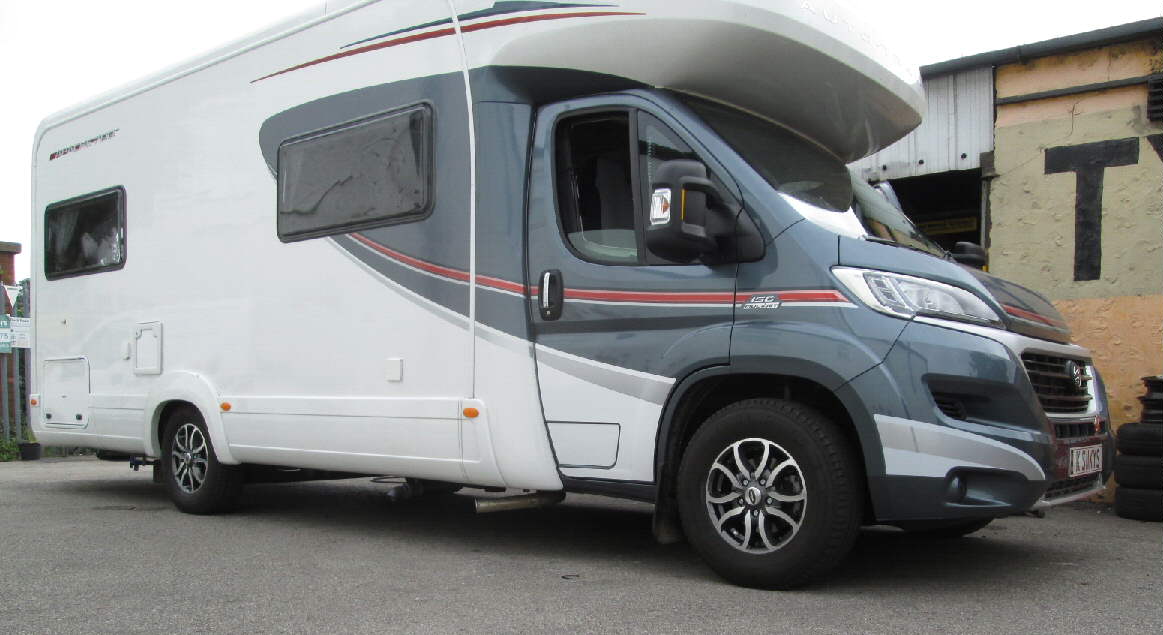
column 761, row 302
column 797, row 297
column 76, row 147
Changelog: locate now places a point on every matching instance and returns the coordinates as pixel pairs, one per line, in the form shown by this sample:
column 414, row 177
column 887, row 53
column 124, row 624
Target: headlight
column 907, row 296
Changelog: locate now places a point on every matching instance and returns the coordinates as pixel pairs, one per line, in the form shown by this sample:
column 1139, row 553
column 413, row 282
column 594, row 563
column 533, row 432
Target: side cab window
column 596, row 200
column 605, row 162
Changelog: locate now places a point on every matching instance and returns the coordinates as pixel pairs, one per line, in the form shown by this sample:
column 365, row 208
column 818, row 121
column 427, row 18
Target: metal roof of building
column 1064, row 44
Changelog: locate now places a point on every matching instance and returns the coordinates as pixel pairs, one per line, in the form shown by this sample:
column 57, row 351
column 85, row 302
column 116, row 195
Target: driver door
column 614, row 325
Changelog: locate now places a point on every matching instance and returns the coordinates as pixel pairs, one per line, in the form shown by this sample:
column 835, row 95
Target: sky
column 56, row 53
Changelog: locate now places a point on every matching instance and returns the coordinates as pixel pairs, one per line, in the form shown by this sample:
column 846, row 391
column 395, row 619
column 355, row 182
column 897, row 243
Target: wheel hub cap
column 752, row 496
column 189, row 458
column 756, row 495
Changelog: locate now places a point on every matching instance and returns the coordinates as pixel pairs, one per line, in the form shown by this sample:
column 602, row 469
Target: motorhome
column 601, row 247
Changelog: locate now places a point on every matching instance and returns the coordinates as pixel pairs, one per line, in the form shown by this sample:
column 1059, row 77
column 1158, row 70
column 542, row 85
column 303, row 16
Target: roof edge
column 1065, row 44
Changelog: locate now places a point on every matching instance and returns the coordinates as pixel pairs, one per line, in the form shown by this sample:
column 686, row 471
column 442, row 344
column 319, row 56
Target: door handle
column 550, row 294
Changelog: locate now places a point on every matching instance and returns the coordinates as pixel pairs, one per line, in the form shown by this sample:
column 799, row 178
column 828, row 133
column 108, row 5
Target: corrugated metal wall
column 957, row 128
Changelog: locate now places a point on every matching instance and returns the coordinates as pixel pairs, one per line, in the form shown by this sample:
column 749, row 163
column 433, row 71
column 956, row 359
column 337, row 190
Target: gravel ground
column 89, row 546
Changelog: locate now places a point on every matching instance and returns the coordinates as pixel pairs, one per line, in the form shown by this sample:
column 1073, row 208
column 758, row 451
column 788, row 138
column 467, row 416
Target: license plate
column 1087, row 460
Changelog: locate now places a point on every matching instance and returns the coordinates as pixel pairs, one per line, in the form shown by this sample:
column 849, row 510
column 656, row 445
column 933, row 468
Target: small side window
column 595, row 191
column 370, row 173
column 657, row 144
column 85, row 234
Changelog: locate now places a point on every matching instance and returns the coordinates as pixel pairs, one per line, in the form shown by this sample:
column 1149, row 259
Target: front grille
column 1054, row 383
column 1078, row 430
column 950, row 405
column 1068, row 486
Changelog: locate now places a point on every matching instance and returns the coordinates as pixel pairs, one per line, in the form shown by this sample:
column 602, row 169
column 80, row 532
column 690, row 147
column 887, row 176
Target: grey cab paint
column 873, row 364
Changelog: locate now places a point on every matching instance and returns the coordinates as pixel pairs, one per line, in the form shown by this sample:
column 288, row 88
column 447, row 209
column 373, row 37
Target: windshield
column 886, row 221
column 790, row 163
column 803, row 170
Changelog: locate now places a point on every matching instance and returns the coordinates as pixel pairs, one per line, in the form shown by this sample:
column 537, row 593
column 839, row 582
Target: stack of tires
column 1139, row 465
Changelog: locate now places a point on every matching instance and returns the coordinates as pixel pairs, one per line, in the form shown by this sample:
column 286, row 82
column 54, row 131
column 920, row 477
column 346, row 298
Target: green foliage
column 8, row 450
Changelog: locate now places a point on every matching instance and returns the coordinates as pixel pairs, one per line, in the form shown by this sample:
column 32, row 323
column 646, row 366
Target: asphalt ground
column 87, row 546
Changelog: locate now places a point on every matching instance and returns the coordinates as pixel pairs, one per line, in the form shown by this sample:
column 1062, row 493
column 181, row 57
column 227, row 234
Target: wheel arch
column 704, row 392
column 185, row 388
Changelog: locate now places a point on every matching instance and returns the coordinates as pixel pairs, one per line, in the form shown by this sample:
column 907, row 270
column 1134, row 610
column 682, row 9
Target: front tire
column 196, row 481
column 770, row 493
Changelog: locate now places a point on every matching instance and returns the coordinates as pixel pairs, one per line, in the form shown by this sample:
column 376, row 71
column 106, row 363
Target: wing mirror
column 969, row 254
column 680, row 203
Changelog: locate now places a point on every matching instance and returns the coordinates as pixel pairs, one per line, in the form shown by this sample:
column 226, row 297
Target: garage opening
column 945, row 206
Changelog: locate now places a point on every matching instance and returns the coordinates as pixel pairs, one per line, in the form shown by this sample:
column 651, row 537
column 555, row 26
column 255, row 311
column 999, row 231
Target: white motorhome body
column 437, row 240
column 324, row 361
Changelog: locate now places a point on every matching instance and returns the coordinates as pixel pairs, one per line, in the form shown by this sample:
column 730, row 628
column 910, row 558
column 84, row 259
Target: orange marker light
column 225, row 405
column 472, row 413
column 33, row 402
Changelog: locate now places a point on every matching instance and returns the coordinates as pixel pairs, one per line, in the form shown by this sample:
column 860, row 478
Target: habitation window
column 369, row 173
column 85, row 234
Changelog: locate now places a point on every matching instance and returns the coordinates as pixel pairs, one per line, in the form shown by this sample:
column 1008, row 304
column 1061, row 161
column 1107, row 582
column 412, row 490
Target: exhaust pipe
column 523, row 501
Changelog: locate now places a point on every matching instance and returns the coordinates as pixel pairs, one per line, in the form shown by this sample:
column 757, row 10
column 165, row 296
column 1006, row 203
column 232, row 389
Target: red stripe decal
column 827, row 295
column 1031, row 316
column 651, row 297
column 504, row 285
column 418, row 37
column 709, row 297
column 444, row 272
column 821, row 295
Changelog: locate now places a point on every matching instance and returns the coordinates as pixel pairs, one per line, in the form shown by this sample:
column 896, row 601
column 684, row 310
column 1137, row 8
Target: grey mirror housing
column 969, row 254
column 681, row 195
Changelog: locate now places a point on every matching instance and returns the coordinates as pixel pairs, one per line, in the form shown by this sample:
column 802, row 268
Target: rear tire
column 196, row 481
column 770, row 493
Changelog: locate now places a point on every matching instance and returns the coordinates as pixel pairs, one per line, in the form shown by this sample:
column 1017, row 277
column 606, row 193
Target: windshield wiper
column 885, row 241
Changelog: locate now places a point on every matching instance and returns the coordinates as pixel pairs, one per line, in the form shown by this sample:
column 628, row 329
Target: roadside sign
column 5, row 334
column 21, row 332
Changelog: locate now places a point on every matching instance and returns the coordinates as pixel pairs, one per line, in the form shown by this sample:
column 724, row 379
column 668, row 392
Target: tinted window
column 886, row 221
column 594, row 187
column 365, row 174
column 792, row 164
column 85, row 234
column 657, row 144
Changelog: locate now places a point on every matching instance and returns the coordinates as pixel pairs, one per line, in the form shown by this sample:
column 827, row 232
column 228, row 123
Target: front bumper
column 1071, row 492
column 998, row 454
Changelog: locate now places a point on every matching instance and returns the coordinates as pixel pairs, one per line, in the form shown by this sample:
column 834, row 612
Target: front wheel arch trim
column 670, row 431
